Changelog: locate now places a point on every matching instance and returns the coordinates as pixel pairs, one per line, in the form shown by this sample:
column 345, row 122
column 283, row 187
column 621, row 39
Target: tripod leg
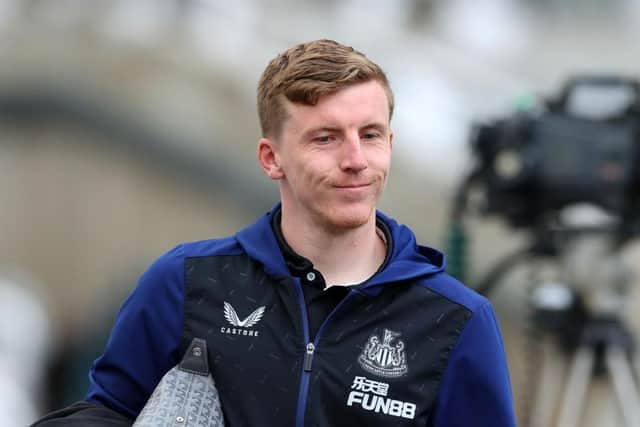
column 624, row 384
column 576, row 390
column 548, row 386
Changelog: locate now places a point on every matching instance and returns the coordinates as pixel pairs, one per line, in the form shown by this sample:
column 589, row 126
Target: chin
column 350, row 218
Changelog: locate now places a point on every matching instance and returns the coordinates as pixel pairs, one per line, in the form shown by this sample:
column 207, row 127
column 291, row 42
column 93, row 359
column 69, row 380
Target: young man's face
column 333, row 158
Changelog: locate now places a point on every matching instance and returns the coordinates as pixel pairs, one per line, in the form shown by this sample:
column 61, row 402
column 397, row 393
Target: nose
column 353, row 157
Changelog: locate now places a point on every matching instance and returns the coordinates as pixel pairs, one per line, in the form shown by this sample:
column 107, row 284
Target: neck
column 348, row 256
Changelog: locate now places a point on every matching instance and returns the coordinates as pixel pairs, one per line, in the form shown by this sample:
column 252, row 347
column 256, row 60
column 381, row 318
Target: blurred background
column 127, row 127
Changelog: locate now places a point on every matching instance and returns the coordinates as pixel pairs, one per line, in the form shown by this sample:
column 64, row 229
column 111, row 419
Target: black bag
column 84, row 414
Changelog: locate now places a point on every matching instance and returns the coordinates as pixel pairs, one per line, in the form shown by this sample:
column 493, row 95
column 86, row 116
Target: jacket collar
column 405, row 259
column 299, row 265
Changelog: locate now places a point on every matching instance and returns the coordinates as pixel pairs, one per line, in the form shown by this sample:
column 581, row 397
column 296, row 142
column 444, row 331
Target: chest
column 374, row 360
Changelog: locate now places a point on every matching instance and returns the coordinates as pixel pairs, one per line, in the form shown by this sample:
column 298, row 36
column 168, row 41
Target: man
column 324, row 312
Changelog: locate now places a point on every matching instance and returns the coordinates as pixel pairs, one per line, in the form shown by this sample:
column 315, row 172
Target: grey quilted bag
column 186, row 395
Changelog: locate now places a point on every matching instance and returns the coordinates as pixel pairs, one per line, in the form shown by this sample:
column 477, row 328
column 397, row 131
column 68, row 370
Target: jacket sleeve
column 144, row 341
column 476, row 389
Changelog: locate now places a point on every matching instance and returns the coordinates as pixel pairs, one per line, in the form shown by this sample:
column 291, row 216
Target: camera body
column 534, row 164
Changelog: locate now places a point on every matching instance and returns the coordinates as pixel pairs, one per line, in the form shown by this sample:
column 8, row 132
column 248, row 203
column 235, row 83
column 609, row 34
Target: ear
column 268, row 158
column 391, row 140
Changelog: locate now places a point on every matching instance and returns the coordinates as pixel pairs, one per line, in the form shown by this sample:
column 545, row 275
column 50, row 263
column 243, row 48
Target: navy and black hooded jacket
column 410, row 346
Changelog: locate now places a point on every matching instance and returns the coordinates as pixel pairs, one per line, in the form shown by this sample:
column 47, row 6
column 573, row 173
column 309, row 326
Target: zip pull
column 308, row 357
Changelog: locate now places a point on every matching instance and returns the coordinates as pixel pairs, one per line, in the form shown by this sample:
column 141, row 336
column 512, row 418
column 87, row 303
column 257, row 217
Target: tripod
column 599, row 344
column 605, row 347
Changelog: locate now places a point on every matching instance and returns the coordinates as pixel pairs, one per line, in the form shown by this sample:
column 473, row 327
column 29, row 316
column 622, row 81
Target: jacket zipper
column 310, row 349
column 308, row 357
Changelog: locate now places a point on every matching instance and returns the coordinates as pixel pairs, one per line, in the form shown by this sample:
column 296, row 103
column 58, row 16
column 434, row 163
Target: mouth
column 351, row 191
column 352, row 186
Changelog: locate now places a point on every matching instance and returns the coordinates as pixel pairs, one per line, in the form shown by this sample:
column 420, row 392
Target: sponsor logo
column 387, row 358
column 241, row 326
column 371, row 396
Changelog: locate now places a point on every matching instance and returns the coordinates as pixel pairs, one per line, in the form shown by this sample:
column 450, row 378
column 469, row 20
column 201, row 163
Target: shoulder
column 173, row 260
column 455, row 291
column 162, row 284
column 210, row 247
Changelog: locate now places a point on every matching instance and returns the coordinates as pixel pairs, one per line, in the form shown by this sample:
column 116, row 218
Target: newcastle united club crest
column 387, row 358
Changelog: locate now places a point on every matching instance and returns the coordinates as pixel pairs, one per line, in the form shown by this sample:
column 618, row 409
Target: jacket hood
column 408, row 260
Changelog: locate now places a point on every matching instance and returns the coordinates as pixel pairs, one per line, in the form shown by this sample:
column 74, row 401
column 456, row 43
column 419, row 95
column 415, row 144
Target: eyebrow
column 313, row 131
column 377, row 126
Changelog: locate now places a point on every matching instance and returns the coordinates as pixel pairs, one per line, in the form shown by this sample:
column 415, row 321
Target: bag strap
column 195, row 358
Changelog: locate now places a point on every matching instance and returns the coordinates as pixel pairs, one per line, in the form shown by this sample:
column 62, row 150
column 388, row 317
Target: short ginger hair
column 308, row 71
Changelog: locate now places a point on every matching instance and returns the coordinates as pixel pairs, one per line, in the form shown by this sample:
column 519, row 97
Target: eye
column 370, row 135
column 324, row 139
